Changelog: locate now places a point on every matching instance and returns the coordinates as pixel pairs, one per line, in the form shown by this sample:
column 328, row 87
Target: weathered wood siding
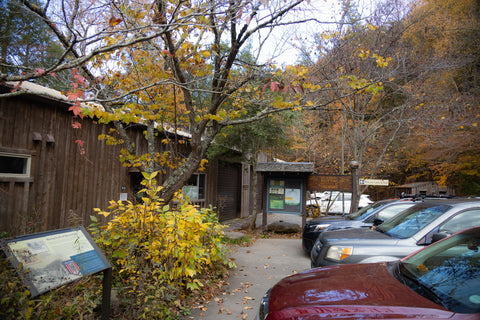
column 64, row 185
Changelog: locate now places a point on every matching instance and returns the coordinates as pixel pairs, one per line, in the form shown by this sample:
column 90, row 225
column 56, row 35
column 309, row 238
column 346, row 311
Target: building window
column 15, row 165
column 195, row 187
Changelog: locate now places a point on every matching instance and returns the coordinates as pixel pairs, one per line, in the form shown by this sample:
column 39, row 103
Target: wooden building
column 46, row 183
column 426, row 188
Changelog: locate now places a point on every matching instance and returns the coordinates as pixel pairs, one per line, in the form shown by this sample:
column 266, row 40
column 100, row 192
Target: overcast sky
column 281, row 45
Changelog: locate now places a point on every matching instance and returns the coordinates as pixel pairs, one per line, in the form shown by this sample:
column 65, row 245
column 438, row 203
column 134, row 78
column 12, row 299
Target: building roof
column 416, row 184
column 299, row 167
column 38, row 90
column 31, row 88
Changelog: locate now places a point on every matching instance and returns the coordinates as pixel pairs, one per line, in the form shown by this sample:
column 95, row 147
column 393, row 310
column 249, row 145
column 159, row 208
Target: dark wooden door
column 228, row 191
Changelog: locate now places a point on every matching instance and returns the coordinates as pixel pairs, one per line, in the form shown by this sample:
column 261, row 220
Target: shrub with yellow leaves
column 159, row 252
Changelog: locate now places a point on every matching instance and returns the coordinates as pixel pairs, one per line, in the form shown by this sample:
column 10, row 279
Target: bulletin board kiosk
column 284, row 186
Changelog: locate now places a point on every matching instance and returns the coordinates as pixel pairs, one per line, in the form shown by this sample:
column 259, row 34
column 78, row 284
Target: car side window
column 462, row 221
column 389, row 212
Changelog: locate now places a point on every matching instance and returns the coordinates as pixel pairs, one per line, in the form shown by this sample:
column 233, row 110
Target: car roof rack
column 425, row 196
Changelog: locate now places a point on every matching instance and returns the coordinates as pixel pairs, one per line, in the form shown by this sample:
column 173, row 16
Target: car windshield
column 365, row 211
column 412, row 220
column 447, row 272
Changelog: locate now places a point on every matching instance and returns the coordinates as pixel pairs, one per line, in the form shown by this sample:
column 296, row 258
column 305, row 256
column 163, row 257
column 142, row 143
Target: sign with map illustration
column 48, row 260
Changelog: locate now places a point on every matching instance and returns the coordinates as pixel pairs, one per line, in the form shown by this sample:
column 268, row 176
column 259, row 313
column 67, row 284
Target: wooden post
column 304, row 201
column 106, row 293
column 264, row 202
column 354, row 165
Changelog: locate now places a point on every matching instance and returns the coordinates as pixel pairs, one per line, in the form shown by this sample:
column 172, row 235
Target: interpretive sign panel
column 51, row 259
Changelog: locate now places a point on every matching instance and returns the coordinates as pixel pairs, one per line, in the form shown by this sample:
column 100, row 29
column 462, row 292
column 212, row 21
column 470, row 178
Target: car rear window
column 390, row 211
column 365, row 211
column 413, row 220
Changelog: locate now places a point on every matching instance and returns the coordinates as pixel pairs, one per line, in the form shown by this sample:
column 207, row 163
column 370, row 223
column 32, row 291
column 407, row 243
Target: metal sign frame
column 50, row 259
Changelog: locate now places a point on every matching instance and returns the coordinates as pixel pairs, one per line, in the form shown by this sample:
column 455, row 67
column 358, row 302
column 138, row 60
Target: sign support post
column 106, row 293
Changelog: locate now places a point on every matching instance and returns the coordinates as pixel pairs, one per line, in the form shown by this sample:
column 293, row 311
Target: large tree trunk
column 177, row 179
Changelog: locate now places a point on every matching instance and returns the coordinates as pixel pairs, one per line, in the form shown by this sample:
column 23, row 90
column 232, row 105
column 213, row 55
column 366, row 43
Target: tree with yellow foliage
column 170, row 65
column 362, row 69
column 442, row 38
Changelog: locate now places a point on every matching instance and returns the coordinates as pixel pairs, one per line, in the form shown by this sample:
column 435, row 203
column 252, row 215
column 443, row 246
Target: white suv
column 334, row 202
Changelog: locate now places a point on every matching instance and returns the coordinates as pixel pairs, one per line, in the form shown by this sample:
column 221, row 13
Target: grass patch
column 246, row 240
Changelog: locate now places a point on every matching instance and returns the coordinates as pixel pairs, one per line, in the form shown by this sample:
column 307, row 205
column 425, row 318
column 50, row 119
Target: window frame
column 27, row 165
column 452, row 222
column 199, row 189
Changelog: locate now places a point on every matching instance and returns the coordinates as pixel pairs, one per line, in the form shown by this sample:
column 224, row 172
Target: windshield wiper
column 382, row 231
column 407, row 278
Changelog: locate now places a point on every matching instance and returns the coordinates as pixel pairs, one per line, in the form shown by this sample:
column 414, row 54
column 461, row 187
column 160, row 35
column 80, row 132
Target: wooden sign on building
column 330, row 182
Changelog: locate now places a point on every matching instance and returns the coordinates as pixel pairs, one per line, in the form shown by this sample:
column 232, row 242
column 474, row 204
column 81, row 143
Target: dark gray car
column 364, row 218
column 398, row 237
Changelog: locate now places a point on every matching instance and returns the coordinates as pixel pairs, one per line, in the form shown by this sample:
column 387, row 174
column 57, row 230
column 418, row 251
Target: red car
column 441, row 281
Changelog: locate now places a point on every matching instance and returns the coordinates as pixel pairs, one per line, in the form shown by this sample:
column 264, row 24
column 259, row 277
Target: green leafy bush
column 159, row 253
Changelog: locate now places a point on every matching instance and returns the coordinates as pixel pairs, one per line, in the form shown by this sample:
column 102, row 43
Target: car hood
column 363, row 312
column 347, row 224
column 357, row 234
column 327, row 219
column 352, row 291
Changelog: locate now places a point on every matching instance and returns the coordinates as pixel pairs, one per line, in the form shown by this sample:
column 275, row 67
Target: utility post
column 354, row 165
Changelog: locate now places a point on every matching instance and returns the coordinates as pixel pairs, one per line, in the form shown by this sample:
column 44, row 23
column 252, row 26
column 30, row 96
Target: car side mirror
column 437, row 236
column 378, row 221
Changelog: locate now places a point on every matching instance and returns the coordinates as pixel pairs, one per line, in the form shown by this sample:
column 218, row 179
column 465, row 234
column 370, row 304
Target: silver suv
column 398, row 237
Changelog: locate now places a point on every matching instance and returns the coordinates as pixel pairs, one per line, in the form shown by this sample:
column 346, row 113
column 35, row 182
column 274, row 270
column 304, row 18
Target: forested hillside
column 395, row 87
column 406, row 87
